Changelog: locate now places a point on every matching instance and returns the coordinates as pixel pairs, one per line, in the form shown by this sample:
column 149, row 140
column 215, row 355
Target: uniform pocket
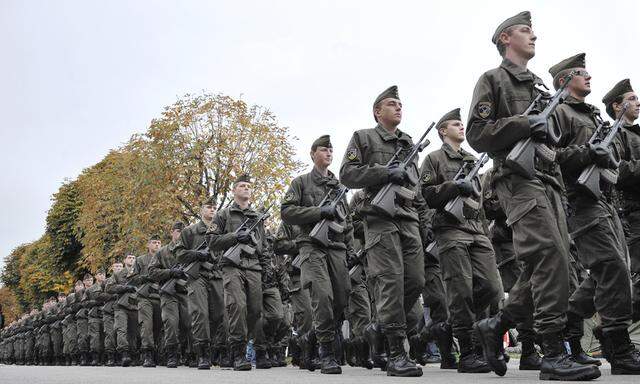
column 519, row 210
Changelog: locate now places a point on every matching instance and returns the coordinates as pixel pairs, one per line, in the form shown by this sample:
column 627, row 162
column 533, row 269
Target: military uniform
column 175, row 313
column 242, row 283
column 96, row 297
column 69, row 330
column 467, row 259
column 149, row 318
column 125, row 314
column 55, row 329
column 108, row 314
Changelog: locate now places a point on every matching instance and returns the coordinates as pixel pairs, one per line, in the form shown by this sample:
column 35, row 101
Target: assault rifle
column 356, row 270
column 432, row 250
column 320, row 231
column 190, row 271
column 521, row 158
column 455, row 207
column 590, row 177
column 385, row 199
column 234, row 253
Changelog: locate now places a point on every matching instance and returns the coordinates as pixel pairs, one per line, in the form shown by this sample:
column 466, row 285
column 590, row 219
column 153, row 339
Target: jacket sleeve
column 354, row 173
column 572, row 156
column 284, row 244
column 485, row 132
column 157, row 272
column 219, row 240
column 183, row 250
column 292, row 211
column 113, row 286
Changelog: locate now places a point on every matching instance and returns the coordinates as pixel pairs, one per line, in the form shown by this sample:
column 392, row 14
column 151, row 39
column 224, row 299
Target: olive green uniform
column 69, row 331
column 149, row 318
column 96, row 298
column 533, row 206
column 125, row 311
column 467, row 259
column 394, row 251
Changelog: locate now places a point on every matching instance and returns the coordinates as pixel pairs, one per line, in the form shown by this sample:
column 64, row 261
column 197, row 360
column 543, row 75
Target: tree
column 62, row 226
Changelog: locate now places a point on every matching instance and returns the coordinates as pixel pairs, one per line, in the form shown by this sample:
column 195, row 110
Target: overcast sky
column 80, row 77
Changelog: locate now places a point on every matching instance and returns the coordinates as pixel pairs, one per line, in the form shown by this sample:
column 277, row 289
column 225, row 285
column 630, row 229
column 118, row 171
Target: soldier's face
column 153, row 246
column 522, row 41
column 117, row 267
column 322, row 156
column 389, row 112
column 100, row 277
column 175, row 234
column 88, row 282
column 207, row 211
column 580, row 84
column 633, row 111
column 62, row 299
column 129, row 260
column 79, row 287
column 454, row 130
column 242, row 190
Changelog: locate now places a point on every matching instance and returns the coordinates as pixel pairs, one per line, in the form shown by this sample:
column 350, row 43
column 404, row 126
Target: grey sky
column 80, row 77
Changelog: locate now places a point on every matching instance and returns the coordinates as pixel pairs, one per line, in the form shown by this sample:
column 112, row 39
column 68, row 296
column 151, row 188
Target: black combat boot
column 621, row 353
column 579, row 355
column 530, row 360
column 558, row 365
column 444, row 340
column 279, row 356
column 148, row 360
column 95, row 359
column 111, row 359
column 262, row 362
column 240, row 362
column 215, row 356
column 362, row 353
column 309, row 352
column 399, row 364
column 490, row 332
column 126, row 359
column 351, row 356
column 328, row 362
column 203, row 356
column 471, row 359
column 417, row 349
column 226, row 361
column 84, row 360
column 375, row 338
column 172, row 356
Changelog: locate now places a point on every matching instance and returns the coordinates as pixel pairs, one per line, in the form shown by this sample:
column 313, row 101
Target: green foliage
column 62, row 226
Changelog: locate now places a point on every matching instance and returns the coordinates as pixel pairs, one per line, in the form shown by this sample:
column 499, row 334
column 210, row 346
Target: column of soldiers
column 555, row 224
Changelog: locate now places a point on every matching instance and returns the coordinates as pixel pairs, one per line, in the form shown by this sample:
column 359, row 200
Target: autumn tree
column 62, row 227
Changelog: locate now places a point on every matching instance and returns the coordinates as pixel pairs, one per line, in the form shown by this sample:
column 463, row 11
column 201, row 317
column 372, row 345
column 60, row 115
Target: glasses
column 581, row 72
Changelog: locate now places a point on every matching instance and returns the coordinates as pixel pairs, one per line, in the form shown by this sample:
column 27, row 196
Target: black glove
column 243, row 237
column 538, row 126
column 352, row 260
column 176, row 272
column 328, row 211
column 397, row 174
column 130, row 288
column 428, row 236
column 600, row 156
column 464, row 187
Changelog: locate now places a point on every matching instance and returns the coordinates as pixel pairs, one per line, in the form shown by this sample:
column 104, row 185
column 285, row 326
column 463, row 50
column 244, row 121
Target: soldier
column 82, row 321
column 205, row 301
column 125, row 311
column 243, row 281
column 109, row 300
column 533, row 205
column 629, row 174
column 323, row 268
column 395, row 259
column 96, row 297
column 149, row 318
column 175, row 315
column 467, row 259
column 594, row 225
column 69, row 330
column 56, row 328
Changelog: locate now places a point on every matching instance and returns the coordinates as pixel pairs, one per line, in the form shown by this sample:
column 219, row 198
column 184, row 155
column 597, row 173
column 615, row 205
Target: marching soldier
column 467, row 260
column 395, row 259
column 243, row 281
column 96, row 297
column 125, row 318
column 109, row 299
column 323, row 268
column 82, row 321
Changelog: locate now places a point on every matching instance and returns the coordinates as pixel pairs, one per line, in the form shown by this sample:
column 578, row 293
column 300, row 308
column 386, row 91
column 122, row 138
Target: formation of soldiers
column 421, row 254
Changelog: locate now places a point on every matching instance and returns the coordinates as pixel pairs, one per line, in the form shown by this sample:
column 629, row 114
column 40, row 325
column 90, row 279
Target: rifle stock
column 321, row 231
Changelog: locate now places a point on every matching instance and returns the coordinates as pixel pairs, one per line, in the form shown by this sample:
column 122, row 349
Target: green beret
column 244, row 178
column 451, row 115
column 391, row 92
column 522, row 18
column 154, row 237
column 179, row 225
column 622, row 87
column 322, row 141
column 575, row 61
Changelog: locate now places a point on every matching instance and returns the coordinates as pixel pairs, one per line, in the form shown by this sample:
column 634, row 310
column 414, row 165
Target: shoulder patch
column 426, row 177
column 484, row 109
column 352, row 154
column 213, row 227
column 289, row 196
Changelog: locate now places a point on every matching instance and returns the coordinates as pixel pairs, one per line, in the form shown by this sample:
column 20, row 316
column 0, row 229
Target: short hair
column 609, row 107
column 502, row 49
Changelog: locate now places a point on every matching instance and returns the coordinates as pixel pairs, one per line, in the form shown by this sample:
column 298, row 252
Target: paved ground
column 96, row 375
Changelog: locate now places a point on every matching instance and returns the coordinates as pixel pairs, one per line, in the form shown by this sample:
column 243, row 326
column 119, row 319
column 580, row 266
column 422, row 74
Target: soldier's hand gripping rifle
column 189, row 271
column 234, row 253
column 455, row 207
column 320, row 231
column 590, row 177
column 521, row 158
column 385, row 199
column 356, row 270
